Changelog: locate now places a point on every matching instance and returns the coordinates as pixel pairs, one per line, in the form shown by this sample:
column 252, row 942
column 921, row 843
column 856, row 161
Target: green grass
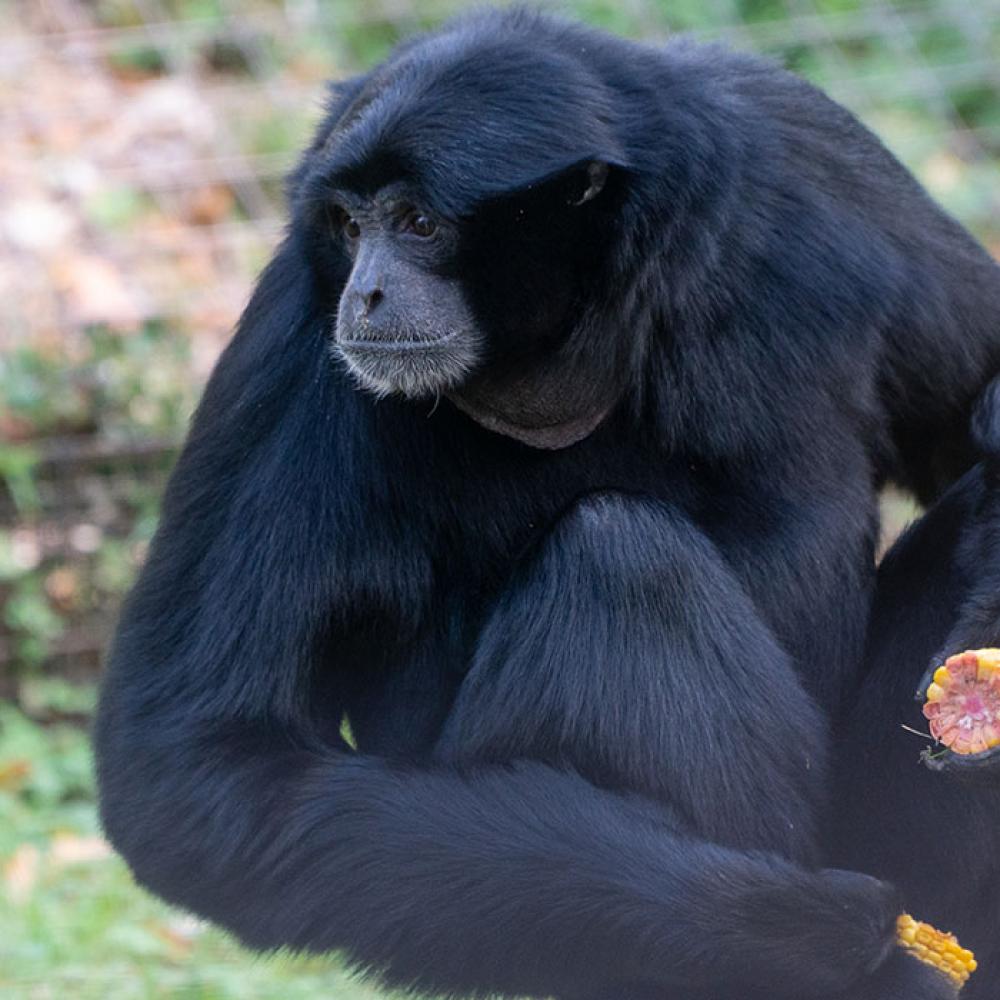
column 73, row 924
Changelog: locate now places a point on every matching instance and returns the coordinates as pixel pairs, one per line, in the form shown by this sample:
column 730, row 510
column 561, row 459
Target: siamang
column 934, row 835
column 546, row 455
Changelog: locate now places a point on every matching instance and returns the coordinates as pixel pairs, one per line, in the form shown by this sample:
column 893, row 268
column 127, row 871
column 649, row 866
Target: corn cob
column 936, row 948
column 963, row 702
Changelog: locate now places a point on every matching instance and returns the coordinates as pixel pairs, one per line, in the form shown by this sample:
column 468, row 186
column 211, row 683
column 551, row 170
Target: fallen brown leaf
column 20, row 873
column 72, row 849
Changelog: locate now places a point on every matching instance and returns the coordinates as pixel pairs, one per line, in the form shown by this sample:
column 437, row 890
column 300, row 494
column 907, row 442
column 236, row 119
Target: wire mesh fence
column 145, row 140
column 142, row 149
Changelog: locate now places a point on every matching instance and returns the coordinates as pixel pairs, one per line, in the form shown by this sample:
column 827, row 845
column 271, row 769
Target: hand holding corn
column 936, row 948
column 963, row 702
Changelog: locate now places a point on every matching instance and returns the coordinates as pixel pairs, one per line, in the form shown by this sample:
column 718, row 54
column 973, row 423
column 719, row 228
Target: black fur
column 588, row 686
column 932, row 831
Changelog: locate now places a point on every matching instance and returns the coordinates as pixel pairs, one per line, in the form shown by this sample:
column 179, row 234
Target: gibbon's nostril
column 372, row 298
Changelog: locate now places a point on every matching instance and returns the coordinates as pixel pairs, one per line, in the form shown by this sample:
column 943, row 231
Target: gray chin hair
column 412, row 372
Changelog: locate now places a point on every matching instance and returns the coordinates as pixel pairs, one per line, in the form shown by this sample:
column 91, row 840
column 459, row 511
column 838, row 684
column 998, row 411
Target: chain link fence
column 151, row 136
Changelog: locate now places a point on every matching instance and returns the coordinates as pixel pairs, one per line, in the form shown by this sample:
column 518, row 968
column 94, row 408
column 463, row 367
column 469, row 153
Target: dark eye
column 345, row 223
column 421, row 225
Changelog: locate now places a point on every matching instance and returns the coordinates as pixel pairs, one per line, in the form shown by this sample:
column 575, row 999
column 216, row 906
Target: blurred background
column 142, row 149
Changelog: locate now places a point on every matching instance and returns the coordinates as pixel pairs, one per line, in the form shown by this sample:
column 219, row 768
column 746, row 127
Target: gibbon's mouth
column 411, row 367
column 376, row 345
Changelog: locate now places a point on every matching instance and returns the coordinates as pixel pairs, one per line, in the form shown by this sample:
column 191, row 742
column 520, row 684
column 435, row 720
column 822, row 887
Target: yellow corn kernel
column 936, row 948
column 987, row 662
column 987, row 655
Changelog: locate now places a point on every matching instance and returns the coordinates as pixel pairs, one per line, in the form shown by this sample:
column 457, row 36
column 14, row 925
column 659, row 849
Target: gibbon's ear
column 559, row 192
column 595, row 175
column 574, row 183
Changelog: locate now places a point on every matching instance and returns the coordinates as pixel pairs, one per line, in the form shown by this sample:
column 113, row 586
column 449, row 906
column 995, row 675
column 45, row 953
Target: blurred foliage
column 122, row 387
column 113, row 383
